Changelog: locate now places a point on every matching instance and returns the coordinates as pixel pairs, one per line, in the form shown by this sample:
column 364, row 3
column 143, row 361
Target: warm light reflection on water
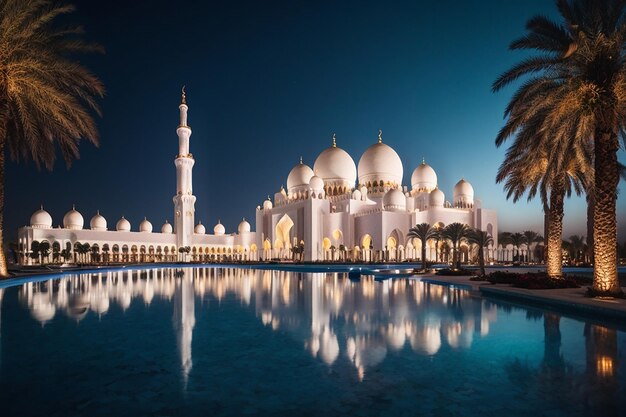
column 375, row 317
column 426, row 336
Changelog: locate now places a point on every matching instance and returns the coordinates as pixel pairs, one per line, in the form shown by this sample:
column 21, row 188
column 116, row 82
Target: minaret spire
column 184, row 200
column 183, row 108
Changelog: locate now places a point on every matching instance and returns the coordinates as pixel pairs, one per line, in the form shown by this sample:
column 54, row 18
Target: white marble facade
column 364, row 211
column 123, row 244
column 334, row 210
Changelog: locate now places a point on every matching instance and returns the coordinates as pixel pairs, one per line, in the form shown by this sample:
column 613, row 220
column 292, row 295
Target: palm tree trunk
column 3, row 262
column 591, row 203
column 546, row 225
column 4, row 119
column 423, row 255
column 481, row 260
column 555, row 229
column 605, row 279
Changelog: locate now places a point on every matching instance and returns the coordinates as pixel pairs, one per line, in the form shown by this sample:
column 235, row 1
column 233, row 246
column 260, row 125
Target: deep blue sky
column 270, row 81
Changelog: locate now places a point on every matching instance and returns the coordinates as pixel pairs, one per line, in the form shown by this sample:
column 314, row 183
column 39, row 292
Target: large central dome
column 336, row 167
column 380, row 163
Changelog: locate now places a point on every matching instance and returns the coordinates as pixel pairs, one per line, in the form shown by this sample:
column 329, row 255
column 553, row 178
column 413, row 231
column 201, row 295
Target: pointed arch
column 283, row 228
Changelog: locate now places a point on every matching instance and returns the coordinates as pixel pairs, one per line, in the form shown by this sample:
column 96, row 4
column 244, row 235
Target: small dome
column 122, row 225
column 244, row 227
column 219, row 229
column 199, row 229
column 335, row 167
column 463, row 194
column 316, row 183
column 98, row 222
column 356, row 195
column 394, row 200
column 299, row 177
column 380, row 163
column 41, row 219
column 167, row 228
column 267, row 204
column 424, row 178
column 145, row 226
column 436, row 198
column 73, row 220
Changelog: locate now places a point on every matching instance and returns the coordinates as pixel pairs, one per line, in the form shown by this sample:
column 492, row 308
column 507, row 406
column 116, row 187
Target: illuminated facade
column 331, row 213
column 71, row 241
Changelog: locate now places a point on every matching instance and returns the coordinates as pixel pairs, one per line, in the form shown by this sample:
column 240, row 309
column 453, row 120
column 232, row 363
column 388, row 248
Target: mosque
column 332, row 211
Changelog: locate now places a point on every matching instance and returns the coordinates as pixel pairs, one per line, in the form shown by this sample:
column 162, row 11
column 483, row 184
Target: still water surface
column 212, row 341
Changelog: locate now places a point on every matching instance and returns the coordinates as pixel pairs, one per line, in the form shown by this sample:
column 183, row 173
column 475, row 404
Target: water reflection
column 184, row 319
column 330, row 314
column 335, row 319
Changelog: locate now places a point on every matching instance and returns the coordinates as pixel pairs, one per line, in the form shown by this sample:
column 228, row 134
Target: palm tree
column 578, row 83
column 342, row 252
column 46, row 98
column 529, row 170
column 578, row 246
column 456, row 233
column 105, row 251
column 437, row 237
column 423, row 232
column 504, row 239
column 518, row 239
column 482, row 239
column 44, row 249
column 84, row 250
column 531, row 237
column 34, row 249
column 56, row 251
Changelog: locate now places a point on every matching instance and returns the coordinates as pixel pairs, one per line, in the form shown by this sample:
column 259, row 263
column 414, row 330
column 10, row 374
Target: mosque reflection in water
column 334, row 318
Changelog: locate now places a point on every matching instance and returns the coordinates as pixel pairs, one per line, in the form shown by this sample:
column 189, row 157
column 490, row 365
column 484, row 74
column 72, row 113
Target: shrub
column 534, row 280
column 454, row 272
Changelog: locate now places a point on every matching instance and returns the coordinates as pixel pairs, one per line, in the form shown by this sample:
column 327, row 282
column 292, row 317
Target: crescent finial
column 380, row 136
column 184, row 99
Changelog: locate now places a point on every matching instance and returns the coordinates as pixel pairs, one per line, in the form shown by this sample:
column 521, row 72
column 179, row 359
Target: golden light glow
column 604, row 366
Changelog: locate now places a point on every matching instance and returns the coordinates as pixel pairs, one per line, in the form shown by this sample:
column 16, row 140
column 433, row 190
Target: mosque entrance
column 391, row 248
column 283, row 227
column 366, row 244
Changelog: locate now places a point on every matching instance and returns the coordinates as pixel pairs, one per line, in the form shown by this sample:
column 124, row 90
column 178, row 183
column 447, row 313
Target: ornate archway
column 283, row 227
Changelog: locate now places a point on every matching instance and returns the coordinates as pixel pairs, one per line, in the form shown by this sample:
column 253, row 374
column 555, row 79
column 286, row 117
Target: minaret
column 184, row 200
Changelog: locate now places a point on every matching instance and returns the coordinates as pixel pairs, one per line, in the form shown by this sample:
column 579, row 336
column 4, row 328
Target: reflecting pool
column 214, row 341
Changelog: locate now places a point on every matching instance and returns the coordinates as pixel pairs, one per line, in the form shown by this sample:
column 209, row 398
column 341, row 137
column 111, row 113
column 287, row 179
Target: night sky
column 268, row 82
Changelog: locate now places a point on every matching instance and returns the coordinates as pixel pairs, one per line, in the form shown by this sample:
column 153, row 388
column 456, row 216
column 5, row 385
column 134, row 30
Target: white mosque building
column 330, row 211
column 122, row 244
column 328, row 207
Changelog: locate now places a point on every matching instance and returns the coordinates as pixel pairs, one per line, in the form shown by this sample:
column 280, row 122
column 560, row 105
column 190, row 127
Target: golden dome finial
column 184, row 96
column 301, row 160
column 423, row 161
column 380, row 136
column 334, row 140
